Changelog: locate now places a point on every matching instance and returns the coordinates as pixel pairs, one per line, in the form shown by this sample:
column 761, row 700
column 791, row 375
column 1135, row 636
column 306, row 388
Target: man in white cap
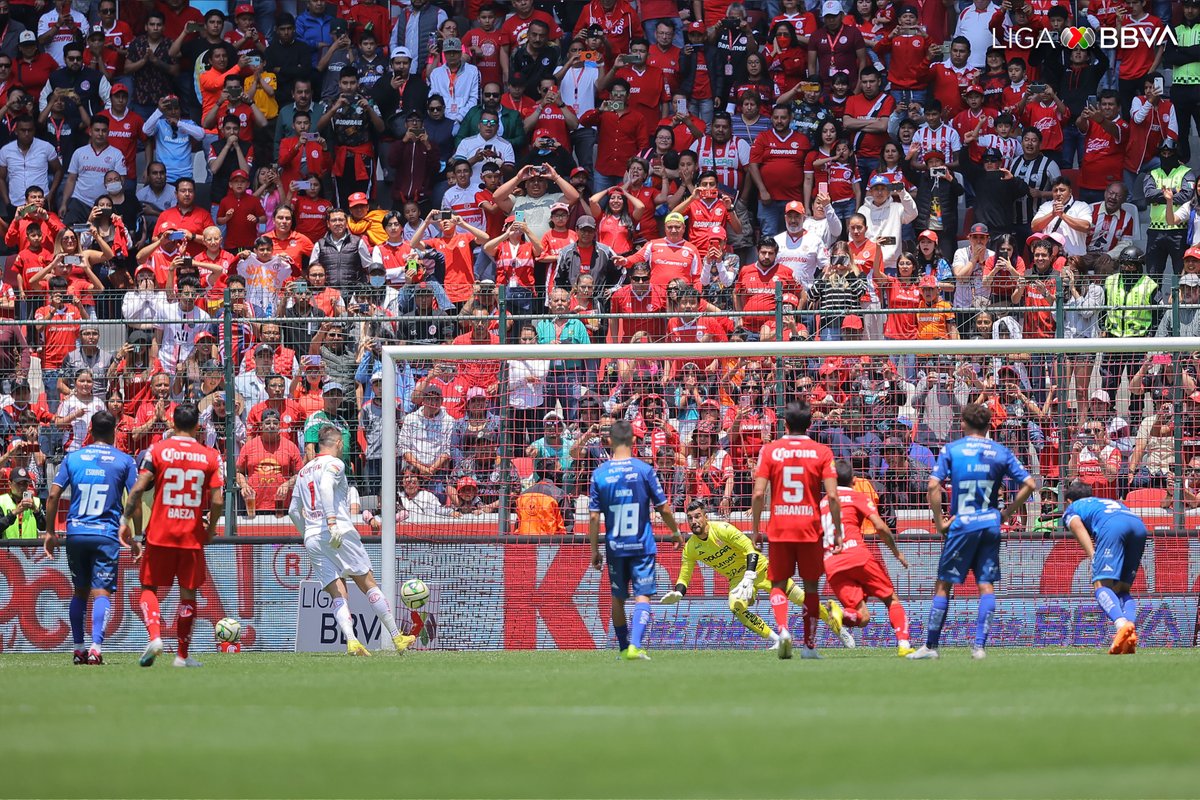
column 888, row 209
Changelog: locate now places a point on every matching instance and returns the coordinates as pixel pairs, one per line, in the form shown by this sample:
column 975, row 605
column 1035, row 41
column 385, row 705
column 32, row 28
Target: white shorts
column 330, row 563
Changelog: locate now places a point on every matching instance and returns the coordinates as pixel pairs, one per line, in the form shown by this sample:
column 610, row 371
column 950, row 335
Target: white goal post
column 794, row 349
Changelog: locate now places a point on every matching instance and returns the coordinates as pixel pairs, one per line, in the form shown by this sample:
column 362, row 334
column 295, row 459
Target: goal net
column 488, row 452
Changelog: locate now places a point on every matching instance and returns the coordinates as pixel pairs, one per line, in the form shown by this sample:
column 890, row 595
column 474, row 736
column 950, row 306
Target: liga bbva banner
column 493, row 596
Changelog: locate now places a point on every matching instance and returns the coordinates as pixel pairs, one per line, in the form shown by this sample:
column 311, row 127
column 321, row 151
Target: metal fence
column 700, row 422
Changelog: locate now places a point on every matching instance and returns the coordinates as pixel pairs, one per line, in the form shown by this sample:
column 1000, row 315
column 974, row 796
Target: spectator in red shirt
column 241, row 212
column 58, row 338
column 265, row 463
column 1105, row 136
column 836, row 48
column 621, row 133
column 34, row 210
column 776, row 168
column 153, row 418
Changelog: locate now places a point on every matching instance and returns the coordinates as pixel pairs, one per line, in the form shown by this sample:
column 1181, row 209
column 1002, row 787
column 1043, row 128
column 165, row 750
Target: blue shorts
column 1119, row 553
column 638, row 569
column 977, row 551
column 92, row 561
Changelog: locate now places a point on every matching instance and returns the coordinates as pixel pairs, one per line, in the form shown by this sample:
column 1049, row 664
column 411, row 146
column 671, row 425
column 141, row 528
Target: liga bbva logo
column 1128, row 38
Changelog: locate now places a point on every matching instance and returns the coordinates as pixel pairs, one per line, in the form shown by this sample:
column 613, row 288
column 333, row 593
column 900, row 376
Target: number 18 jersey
column 797, row 468
column 626, row 491
column 976, row 468
column 185, row 473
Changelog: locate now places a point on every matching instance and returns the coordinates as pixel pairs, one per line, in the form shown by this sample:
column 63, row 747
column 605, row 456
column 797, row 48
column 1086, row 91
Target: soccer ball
column 227, row 630
column 414, row 593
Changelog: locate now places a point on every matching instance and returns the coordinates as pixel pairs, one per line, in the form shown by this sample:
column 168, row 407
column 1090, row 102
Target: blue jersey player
column 99, row 476
column 1120, row 538
column 624, row 491
column 976, row 468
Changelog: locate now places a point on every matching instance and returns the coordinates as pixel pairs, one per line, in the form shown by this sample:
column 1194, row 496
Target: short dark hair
column 1077, row 490
column 977, row 417
column 621, row 434
column 845, row 472
column 186, row 417
column 698, row 505
column 797, row 416
column 104, row 427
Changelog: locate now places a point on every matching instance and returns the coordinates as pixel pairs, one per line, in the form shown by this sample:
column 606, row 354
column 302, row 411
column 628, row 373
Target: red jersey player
column 855, row 574
column 797, row 469
column 187, row 482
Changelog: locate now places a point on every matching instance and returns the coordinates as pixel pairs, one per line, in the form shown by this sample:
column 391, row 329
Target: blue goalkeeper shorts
column 92, row 561
column 637, row 570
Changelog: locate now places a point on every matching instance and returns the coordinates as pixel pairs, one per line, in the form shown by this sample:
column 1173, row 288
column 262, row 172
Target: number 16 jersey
column 797, row 468
column 185, row 473
column 976, row 468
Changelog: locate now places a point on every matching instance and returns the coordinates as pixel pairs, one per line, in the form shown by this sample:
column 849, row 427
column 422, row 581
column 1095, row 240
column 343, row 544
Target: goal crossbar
column 793, row 349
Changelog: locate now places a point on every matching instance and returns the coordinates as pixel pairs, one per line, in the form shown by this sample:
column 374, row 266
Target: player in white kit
column 320, row 510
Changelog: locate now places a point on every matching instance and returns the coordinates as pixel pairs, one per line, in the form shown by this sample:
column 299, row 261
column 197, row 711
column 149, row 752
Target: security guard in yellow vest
column 1165, row 237
column 1183, row 56
column 21, row 514
column 1125, row 290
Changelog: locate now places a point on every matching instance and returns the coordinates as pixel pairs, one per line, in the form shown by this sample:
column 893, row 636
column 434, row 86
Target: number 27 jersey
column 185, row 473
column 976, row 469
column 797, row 468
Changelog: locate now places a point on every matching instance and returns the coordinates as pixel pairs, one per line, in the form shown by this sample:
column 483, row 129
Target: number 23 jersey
column 185, row 473
column 976, row 468
column 797, row 468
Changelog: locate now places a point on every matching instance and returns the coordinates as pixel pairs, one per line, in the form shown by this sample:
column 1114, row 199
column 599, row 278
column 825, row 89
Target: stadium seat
column 1145, row 498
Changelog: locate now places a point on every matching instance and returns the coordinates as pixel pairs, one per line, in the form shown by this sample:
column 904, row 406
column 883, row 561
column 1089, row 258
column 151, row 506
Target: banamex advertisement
column 543, row 596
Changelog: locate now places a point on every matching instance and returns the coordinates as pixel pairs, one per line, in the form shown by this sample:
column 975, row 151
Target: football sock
column 812, row 613
column 183, row 625
column 641, row 620
column 622, row 632
column 151, row 614
column 75, row 611
column 753, row 621
column 779, row 607
column 382, row 610
column 937, row 618
column 100, row 607
column 983, row 620
column 341, row 615
column 1111, row 605
column 1128, row 606
column 850, row 617
column 899, row 618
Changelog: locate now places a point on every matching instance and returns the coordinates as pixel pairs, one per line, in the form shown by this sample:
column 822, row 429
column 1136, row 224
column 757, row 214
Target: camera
column 186, row 263
column 731, row 23
column 542, row 169
column 447, row 215
column 1037, row 88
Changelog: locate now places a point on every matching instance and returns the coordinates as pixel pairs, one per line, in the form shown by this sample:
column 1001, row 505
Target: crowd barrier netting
column 516, row 593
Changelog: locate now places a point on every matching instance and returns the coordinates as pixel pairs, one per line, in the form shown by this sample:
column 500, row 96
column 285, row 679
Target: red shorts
column 788, row 558
column 162, row 566
column 851, row 585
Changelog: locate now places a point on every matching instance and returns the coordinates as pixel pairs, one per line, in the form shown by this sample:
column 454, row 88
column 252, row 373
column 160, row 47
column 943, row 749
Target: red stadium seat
column 1145, row 498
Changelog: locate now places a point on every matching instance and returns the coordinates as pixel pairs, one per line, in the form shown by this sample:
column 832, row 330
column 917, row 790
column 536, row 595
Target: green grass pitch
column 861, row 723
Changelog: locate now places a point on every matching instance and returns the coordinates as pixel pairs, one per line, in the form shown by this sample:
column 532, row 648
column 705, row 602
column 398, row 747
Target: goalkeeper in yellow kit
column 730, row 552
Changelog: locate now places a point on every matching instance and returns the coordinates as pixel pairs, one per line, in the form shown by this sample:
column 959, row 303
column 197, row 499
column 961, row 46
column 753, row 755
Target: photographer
column 487, row 146
column 353, row 123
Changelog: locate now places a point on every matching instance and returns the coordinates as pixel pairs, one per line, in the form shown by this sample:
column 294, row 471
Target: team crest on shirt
column 842, row 40
column 916, row 43
column 488, row 49
column 85, row 85
column 795, row 145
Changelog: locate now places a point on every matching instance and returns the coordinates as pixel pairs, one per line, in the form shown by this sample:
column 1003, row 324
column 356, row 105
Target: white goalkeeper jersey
column 321, row 491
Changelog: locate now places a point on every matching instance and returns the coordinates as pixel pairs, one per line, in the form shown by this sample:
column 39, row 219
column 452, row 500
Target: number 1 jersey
column 797, row 468
column 185, row 473
column 976, row 468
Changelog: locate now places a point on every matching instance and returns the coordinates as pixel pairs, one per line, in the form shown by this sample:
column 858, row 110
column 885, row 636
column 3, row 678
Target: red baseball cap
column 695, row 26
column 930, row 235
column 239, row 173
column 244, row 8
column 795, row 205
column 541, row 133
column 852, row 321
column 358, row 199
column 927, row 282
column 1192, row 252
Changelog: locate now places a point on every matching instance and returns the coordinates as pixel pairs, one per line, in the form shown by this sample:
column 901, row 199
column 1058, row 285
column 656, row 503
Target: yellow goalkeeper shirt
column 724, row 550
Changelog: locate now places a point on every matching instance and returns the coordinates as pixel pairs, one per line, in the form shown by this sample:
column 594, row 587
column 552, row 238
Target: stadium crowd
column 337, row 176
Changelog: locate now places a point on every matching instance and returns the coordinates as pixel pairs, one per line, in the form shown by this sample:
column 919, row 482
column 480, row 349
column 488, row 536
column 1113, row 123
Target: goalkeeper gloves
column 671, row 598
column 336, row 534
column 745, row 589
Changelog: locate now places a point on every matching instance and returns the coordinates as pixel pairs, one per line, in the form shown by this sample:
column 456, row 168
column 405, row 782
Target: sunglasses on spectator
column 487, row 123
column 639, row 279
column 491, row 94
